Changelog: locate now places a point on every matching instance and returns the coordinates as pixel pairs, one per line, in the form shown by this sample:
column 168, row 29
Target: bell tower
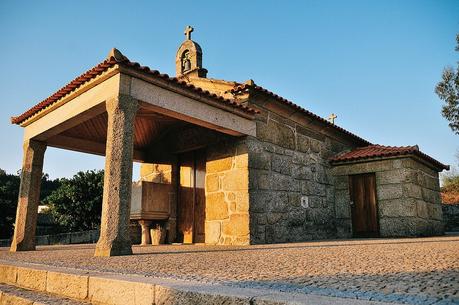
column 188, row 60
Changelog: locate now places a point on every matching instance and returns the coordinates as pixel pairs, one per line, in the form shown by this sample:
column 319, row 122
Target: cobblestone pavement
column 412, row 271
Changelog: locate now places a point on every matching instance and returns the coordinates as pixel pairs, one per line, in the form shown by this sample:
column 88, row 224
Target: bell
column 186, row 65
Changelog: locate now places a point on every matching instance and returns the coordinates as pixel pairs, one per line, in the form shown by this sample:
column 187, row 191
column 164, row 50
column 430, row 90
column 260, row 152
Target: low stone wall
column 451, row 217
column 408, row 195
column 86, row 237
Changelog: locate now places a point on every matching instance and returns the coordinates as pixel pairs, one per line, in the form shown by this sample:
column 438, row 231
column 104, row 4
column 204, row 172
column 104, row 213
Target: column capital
column 36, row 146
column 122, row 102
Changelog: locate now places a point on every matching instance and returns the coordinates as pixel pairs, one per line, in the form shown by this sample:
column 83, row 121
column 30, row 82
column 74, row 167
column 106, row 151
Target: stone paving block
column 15, row 295
column 31, row 278
column 8, row 274
column 171, row 296
column 8, row 299
column 117, row 292
column 66, row 284
column 297, row 299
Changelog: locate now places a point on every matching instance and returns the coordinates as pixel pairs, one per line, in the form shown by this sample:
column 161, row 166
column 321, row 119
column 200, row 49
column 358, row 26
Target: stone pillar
column 114, row 230
column 29, row 196
column 145, row 226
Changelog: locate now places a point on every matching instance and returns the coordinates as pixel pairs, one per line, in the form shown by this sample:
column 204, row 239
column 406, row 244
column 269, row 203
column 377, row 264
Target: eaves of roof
column 255, row 88
column 116, row 58
column 380, row 151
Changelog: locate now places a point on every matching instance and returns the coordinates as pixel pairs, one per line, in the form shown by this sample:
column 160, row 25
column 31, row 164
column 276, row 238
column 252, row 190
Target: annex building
column 223, row 162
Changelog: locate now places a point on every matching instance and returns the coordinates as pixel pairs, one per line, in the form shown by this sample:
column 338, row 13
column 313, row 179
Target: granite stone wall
column 408, row 195
column 290, row 185
column 227, row 197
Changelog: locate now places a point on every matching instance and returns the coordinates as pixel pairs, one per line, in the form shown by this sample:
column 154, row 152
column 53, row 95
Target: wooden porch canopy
column 117, row 109
column 75, row 117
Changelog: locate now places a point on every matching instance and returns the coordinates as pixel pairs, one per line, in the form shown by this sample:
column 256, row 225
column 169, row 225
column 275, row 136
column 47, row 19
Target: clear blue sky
column 374, row 63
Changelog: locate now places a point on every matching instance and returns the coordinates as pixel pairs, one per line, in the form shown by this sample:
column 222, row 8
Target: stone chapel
column 222, row 162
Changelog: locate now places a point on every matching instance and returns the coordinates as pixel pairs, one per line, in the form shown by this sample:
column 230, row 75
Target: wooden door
column 191, row 197
column 364, row 207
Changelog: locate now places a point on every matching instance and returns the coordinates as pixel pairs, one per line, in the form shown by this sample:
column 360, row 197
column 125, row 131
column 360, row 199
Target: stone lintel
column 185, row 106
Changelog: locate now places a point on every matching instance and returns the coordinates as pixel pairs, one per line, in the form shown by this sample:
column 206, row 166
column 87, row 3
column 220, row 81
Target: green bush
column 76, row 205
column 9, row 193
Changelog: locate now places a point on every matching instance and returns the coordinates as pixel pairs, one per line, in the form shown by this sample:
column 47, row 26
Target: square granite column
column 29, row 196
column 114, row 230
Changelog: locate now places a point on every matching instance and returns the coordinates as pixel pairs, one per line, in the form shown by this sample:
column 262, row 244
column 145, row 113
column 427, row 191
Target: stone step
column 19, row 296
column 105, row 288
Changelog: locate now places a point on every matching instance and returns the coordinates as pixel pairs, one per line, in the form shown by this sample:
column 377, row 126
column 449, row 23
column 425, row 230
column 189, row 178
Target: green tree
column 448, row 90
column 48, row 186
column 77, row 204
column 450, row 188
column 9, row 193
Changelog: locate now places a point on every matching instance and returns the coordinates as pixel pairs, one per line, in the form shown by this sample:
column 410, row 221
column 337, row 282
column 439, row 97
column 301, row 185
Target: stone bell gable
column 188, row 60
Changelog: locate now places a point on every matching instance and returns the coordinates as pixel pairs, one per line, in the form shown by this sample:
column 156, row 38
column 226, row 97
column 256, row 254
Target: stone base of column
column 21, row 246
column 115, row 248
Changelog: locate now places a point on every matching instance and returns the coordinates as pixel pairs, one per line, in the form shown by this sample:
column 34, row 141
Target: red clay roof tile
column 253, row 86
column 380, row 151
column 116, row 58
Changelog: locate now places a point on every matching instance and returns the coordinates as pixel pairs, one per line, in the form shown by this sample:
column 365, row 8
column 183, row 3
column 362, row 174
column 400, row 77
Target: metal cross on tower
column 188, row 31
